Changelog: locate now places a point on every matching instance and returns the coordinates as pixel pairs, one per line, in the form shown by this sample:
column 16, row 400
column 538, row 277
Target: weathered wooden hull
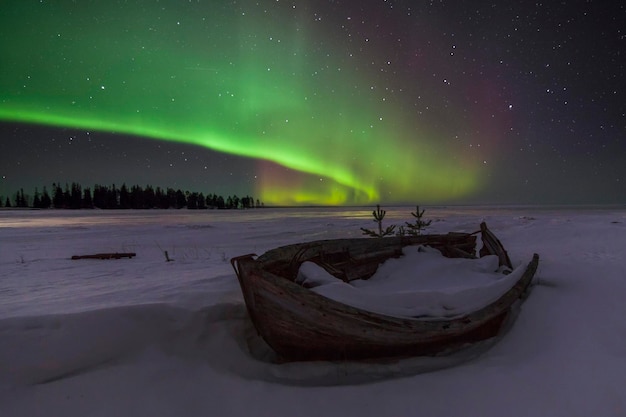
column 302, row 325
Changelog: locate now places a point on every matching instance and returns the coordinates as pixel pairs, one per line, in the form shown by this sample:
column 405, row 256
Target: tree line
column 74, row 196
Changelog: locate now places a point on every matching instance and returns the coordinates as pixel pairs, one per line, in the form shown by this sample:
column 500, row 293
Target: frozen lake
column 144, row 336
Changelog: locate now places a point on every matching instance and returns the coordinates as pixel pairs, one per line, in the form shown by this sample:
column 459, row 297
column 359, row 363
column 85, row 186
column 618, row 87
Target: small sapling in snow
column 420, row 224
column 379, row 215
column 411, row 229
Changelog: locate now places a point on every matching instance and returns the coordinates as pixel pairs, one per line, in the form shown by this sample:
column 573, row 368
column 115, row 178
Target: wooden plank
column 115, row 255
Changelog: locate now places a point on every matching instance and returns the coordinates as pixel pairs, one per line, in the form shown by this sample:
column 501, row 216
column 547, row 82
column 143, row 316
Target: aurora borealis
column 321, row 102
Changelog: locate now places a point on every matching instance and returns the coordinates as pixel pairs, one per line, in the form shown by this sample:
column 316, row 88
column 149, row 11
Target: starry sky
column 318, row 101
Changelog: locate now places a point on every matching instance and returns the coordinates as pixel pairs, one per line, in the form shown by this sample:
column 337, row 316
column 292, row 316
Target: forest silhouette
column 74, row 196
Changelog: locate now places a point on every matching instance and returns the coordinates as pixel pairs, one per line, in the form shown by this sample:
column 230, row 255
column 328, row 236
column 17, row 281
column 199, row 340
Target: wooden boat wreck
column 299, row 324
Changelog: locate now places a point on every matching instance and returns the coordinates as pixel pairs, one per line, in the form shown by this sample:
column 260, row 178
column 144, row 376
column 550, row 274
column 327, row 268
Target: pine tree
column 379, row 215
column 181, row 201
column 420, row 224
column 21, row 200
column 211, row 201
column 18, row 200
column 45, row 199
column 192, row 201
column 124, row 197
column 67, row 196
column 57, row 199
column 75, row 201
column 171, row 198
column 36, row 199
column 162, row 201
column 201, row 201
column 150, row 200
column 87, row 200
column 112, row 198
column 99, row 196
column 137, row 197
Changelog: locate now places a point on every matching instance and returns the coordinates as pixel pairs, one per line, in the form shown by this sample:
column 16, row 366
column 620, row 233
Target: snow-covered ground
column 147, row 337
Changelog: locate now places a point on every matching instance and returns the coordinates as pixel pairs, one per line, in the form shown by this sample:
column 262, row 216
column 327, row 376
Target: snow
column 147, row 337
column 421, row 283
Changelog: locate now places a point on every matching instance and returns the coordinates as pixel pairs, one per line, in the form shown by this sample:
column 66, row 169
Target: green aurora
column 232, row 80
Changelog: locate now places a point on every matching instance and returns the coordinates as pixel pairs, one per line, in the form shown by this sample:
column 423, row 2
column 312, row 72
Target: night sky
column 318, row 102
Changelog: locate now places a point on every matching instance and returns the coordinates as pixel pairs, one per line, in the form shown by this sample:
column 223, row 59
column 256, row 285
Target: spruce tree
column 36, row 199
column 67, row 196
column 45, row 199
column 112, row 198
column 57, row 199
column 201, row 201
column 181, row 201
column 379, row 215
column 149, row 198
column 124, row 197
column 87, row 200
column 420, row 224
column 75, row 201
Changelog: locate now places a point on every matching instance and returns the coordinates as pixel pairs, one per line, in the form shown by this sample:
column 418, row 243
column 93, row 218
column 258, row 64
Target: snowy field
column 147, row 337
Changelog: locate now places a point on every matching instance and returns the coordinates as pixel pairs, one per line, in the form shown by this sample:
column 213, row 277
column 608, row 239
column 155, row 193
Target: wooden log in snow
column 115, row 255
